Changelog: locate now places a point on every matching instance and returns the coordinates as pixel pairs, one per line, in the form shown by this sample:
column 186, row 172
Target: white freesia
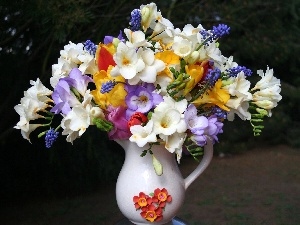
column 211, row 52
column 80, row 118
column 168, row 116
column 182, row 47
column 149, row 14
column 72, row 51
column 136, row 39
column 129, row 62
column 267, row 80
column 34, row 101
column 174, row 143
column 152, row 67
column 239, row 104
column 268, row 94
column 87, row 63
column 61, row 70
column 142, row 135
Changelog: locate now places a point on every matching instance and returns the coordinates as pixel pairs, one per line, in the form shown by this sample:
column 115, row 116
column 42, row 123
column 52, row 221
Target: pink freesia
column 117, row 117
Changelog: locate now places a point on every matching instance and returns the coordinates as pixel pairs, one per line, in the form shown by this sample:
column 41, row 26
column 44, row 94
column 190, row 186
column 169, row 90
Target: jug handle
column 207, row 157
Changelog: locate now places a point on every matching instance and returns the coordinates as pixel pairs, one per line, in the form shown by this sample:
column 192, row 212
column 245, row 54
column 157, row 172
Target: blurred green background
column 263, row 33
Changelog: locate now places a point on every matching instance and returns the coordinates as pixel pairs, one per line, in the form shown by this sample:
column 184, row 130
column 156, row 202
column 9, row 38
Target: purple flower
column 220, row 31
column 118, row 117
column 233, row 72
column 109, row 39
column 135, row 20
column 212, row 76
column 141, row 98
column 90, row 47
column 107, row 87
column 50, row 137
column 63, row 96
column 201, row 126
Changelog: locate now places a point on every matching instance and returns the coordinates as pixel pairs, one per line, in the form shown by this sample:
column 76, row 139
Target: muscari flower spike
column 233, row 72
column 51, row 137
column 135, row 20
column 108, row 86
column 212, row 76
column 218, row 112
column 220, row 31
column 90, row 47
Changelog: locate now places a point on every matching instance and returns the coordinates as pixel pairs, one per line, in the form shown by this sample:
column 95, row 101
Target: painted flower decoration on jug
column 153, row 84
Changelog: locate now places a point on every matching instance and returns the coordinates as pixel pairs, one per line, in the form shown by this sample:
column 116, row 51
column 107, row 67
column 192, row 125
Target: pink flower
column 117, row 117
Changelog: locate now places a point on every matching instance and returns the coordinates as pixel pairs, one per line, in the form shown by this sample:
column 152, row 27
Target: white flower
column 61, row 70
column 269, row 91
column 152, row 67
column 211, row 52
column 129, row 62
column 88, row 63
column 168, row 116
column 267, row 80
column 38, row 91
column 149, row 14
column 229, row 63
column 72, row 51
column 143, row 135
column 174, row 143
column 80, row 118
column 136, row 39
column 239, row 104
column 182, row 47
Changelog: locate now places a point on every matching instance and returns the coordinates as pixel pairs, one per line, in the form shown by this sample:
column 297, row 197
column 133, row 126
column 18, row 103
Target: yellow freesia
column 196, row 74
column 116, row 97
column 216, row 96
column 169, row 58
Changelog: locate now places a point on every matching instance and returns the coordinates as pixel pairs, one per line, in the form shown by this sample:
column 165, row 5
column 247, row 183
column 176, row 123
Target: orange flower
column 142, row 200
column 161, row 196
column 151, row 213
column 104, row 56
column 169, row 58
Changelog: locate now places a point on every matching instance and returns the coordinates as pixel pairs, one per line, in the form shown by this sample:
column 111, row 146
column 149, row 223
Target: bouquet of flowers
column 152, row 84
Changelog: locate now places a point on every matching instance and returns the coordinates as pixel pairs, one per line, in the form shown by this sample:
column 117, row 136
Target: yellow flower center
column 142, row 202
column 151, row 216
column 162, row 196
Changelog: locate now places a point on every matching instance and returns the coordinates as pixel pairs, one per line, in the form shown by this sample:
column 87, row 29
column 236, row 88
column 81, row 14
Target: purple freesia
column 201, row 126
column 118, row 117
column 141, row 98
column 109, row 39
column 62, row 95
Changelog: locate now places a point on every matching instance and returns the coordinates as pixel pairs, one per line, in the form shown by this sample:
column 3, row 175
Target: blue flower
column 50, row 137
column 220, row 31
column 108, row 86
column 135, row 21
column 218, row 112
column 212, row 76
column 233, row 72
column 90, row 47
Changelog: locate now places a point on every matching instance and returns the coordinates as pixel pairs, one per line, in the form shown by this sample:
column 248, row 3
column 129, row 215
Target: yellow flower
column 196, row 73
column 116, row 97
column 216, row 96
column 170, row 59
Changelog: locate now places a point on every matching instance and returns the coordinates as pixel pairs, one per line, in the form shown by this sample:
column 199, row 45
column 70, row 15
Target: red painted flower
column 161, row 196
column 152, row 213
column 142, row 200
column 137, row 118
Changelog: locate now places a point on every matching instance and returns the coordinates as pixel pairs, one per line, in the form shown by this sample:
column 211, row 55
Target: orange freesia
column 216, row 96
column 104, row 56
column 116, row 97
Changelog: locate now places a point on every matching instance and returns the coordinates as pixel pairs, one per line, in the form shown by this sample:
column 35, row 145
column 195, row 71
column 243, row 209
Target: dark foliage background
column 34, row 31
